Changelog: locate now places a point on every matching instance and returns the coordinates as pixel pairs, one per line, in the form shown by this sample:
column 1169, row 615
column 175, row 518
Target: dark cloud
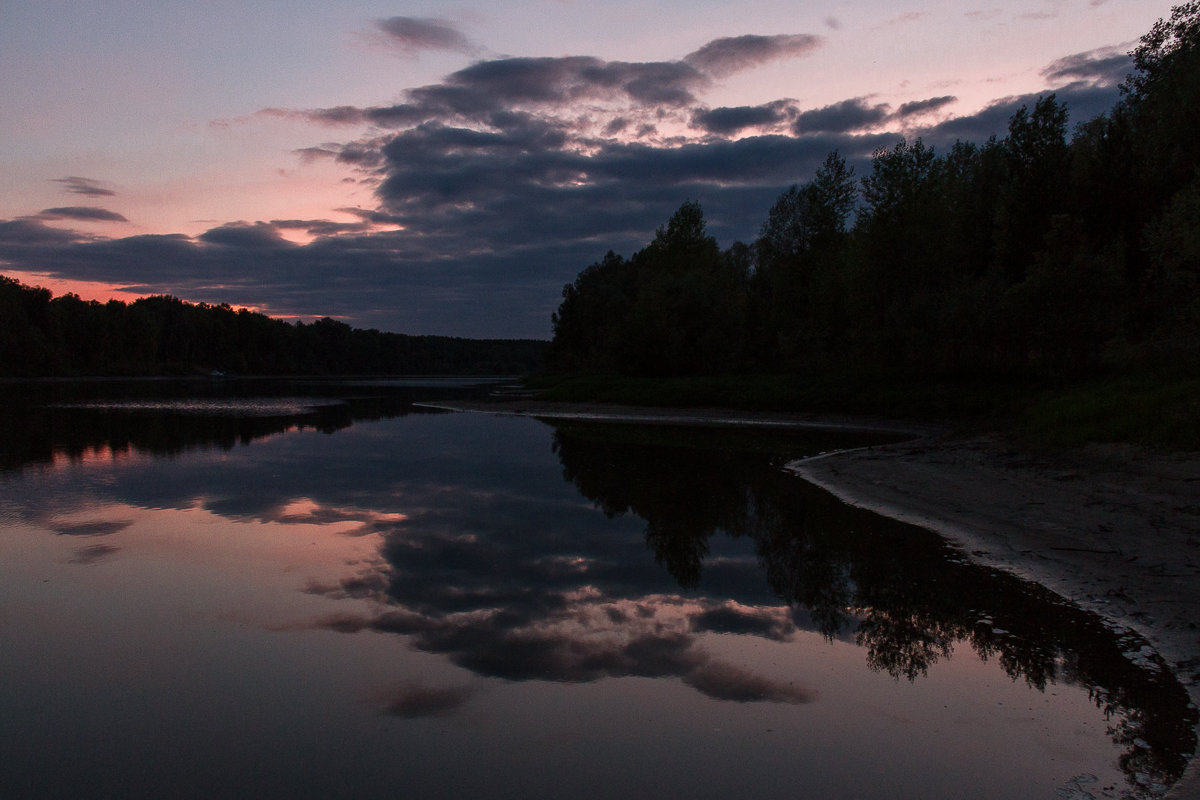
column 371, row 216
column 412, row 701
column 1102, row 67
column 338, row 623
column 320, row 227
column 728, row 618
column 412, row 34
column 505, row 84
column 395, row 116
column 1083, row 101
column 431, row 167
column 521, row 647
column 18, row 234
column 244, row 235
column 93, row 553
column 917, row 107
column 616, row 125
column 857, row 114
column 92, row 528
column 310, row 154
column 725, row 56
column 487, row 221
column 364, row 155
column 338, row 115
column 498, row 184
column 87, row 186
column 727, row 121
column 82, row 213
column 499, row 84
column 488, row 226
column 727, row 682
column 848, row 115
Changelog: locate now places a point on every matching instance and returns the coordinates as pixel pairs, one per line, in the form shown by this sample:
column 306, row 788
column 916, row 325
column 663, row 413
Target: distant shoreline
column 604, row 412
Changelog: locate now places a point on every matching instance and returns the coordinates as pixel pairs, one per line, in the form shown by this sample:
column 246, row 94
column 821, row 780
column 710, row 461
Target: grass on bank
column 1164, row 414
column 1150, row 410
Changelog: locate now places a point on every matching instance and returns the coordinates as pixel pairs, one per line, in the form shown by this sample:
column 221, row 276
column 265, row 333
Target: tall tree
column 799, row 251
column 1037, row 184
column 689, row 314
column 589, row 325
column 898, row 272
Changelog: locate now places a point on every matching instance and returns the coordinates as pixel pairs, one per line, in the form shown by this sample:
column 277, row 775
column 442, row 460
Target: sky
column 446, row 167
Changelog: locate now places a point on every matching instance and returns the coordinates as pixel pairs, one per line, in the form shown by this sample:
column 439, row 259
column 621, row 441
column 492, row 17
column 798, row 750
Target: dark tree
column 44, row 335
column 800, row 250
column 1036, row 256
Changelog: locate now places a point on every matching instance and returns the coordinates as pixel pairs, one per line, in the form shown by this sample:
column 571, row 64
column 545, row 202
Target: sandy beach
column 1115, row 529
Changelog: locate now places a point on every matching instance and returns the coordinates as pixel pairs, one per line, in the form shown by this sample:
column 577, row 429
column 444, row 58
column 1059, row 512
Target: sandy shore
column 1114, row 529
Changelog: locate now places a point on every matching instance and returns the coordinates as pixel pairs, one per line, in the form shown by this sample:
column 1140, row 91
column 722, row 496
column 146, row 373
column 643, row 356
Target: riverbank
column 1115, row 529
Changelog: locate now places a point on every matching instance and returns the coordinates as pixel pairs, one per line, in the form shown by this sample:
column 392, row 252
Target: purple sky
column 433, row 167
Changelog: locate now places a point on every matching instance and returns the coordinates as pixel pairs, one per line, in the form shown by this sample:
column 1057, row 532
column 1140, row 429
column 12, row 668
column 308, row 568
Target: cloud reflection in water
column 488, row 557
column 585, row 638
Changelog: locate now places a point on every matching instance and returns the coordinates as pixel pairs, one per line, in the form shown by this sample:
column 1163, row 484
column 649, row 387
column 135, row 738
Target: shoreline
column 601, row 412
column 1113, row 529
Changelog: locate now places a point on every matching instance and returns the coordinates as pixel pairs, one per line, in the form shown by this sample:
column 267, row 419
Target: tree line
column 43, row 335
column 1038, row 254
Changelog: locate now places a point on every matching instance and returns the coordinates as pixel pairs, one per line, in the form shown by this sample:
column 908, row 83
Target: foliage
column 1143, row 409
column 43, row 335
column 1038, row 257
column 676, row 307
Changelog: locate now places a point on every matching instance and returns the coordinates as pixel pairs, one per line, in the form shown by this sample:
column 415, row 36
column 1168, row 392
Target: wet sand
column 1115, row 529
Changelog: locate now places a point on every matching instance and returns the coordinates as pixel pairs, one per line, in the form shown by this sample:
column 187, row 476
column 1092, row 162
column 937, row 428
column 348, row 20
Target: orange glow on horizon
column 87, row 290
column 103, row 292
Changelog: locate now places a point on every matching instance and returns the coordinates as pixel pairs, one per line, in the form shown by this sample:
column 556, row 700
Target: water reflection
column 485, row 557
column 522, row 602
column 50, row 421
column 908, row 596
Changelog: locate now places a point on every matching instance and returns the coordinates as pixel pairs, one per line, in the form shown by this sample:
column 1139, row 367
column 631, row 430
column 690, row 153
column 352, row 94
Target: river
column 317, row 589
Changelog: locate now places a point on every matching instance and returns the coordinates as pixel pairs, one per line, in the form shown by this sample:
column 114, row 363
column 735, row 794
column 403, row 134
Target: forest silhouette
column 43, row 335
column 1038, row 255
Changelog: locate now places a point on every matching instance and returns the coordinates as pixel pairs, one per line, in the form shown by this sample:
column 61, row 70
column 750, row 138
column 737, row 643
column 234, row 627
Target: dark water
column 318, row 590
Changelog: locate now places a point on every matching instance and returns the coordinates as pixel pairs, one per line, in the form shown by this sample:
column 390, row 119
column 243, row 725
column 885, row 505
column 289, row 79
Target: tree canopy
column 43, row 335
column 1045, row 253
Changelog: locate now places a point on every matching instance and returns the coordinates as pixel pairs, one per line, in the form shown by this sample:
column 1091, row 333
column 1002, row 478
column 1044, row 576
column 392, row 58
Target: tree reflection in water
column 512, row 581
column 908, row 596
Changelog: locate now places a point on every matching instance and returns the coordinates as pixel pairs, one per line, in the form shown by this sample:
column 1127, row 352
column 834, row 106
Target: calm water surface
column 316, row 590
